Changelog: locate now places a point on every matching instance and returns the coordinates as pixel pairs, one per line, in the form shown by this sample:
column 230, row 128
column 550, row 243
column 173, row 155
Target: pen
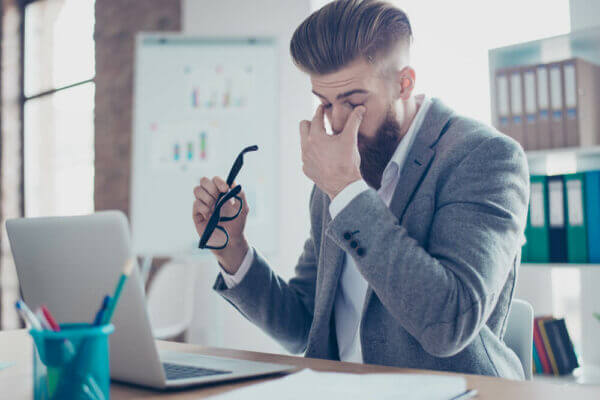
column 469, row 394
column 50, row 318
column 113, row 302
column 43, row 320
column 102, row 310
column 28, row 315
column 46, row 324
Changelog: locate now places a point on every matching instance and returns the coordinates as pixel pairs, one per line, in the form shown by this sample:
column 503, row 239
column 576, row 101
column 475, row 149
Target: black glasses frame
column 222, row 200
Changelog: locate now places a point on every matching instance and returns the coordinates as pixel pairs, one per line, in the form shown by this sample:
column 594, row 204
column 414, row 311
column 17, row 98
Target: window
column 58, row 107
column 57, row 119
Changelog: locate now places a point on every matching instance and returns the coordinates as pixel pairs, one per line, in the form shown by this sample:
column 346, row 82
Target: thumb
column 353, row 123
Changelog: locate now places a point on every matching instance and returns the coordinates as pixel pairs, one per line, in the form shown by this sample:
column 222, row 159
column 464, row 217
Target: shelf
column 581, row 43
column 584, row 375
column 558, row 265
column 590, row 151
column 563, row 161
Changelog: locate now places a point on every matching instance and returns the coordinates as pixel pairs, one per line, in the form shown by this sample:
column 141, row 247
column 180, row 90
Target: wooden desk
column 15, row 381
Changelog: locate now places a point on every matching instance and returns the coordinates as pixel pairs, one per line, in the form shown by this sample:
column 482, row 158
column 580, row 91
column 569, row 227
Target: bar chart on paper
column 198, row 102
column 218, row 87
column 179, row 148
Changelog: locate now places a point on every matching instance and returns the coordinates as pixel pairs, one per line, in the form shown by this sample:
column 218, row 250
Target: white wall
column 216, row 322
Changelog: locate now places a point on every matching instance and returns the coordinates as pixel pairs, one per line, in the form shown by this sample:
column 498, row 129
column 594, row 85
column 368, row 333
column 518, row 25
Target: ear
column 404, row 83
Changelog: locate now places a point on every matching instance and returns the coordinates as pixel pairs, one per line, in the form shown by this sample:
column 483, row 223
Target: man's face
column 357, row 84
column 379, row 133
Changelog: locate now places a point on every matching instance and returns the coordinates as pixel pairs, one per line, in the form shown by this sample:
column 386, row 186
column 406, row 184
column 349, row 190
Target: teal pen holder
column 72, row 363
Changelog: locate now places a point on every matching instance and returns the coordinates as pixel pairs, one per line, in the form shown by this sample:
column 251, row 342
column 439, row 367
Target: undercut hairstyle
column 345, row 30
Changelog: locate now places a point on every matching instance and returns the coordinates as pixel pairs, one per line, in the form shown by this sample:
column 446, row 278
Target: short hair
column 344, row 30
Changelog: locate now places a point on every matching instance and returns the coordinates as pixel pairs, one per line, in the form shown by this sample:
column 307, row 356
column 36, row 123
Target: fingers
column 353, row 123
column 201, row 212
column 245, row 206
column 318, row 122
column 316, row 126
column 220, row 184
column 208, row 186
column 304, row 131
column 206, row 196
column 209, row 190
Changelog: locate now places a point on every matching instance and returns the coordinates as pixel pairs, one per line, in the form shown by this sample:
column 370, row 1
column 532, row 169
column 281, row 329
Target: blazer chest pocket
column 418, row 217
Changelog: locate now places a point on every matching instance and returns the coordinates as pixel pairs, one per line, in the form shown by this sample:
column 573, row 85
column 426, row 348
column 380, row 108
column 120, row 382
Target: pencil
column 115, row 298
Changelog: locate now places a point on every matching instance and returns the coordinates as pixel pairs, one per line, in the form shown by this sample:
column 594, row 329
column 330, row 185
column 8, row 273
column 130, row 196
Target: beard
column 376, row 152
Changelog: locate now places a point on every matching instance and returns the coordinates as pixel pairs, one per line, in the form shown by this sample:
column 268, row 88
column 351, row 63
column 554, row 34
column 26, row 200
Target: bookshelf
column 563, row 161
column 536, row 279
column 559, row 265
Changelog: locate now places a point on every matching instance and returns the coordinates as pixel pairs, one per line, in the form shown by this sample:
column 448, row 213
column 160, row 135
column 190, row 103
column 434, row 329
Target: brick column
column 117, row 22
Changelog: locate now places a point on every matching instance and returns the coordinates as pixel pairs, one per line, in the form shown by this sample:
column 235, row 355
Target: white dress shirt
column 352, row 288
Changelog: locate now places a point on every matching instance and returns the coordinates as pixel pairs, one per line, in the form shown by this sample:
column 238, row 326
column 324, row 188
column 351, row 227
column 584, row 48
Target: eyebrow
column 345, row 94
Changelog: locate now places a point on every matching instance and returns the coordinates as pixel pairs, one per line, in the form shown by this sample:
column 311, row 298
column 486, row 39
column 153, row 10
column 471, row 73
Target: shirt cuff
column 235, row 279
column 344, row 197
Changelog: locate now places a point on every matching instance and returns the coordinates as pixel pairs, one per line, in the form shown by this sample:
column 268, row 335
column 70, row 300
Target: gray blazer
column 441, row 262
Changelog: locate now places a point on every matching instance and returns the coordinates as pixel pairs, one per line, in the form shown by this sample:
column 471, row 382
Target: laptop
column 71, row 263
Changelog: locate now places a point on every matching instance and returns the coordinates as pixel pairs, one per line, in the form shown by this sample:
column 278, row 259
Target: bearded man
column 417, row 214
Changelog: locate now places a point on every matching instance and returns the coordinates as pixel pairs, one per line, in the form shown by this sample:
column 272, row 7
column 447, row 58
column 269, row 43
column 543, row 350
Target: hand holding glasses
column 222, row 199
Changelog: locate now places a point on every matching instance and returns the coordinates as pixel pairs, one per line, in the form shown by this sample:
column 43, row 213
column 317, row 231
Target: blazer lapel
column 420, row 156
column 416, row 165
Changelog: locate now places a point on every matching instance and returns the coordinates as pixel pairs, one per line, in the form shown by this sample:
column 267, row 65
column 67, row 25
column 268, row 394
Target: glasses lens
column 214, row 236
column 227, row 205
column 219, row 238
column 232, row 209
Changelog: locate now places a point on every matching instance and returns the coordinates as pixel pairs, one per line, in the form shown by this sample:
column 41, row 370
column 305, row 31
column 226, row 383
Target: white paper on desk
column 312, row 385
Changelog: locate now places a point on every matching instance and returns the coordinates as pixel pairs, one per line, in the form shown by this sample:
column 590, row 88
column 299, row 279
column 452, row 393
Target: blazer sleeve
column 444, row 294
column 284, row 310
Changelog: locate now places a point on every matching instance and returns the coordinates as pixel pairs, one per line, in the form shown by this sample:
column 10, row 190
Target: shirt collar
column 401, row 152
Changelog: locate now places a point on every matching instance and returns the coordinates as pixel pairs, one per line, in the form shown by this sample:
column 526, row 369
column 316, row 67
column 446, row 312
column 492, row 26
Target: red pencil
column 50, row 319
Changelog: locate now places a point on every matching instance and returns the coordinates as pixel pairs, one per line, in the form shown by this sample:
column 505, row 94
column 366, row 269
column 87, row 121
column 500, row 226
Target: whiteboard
column 198, row 101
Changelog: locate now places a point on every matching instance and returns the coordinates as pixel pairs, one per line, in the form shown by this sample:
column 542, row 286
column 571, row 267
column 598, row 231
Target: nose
column 339, row 116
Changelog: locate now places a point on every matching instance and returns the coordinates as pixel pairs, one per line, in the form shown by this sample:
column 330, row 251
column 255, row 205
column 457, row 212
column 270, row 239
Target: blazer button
column 353, row 244
column 360, row 251
column 347, row 235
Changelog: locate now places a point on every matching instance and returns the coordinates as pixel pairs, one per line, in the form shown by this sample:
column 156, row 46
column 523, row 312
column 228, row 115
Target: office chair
column 519, row 333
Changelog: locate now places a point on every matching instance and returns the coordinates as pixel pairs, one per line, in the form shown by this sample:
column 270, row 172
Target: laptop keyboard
column 178, row 371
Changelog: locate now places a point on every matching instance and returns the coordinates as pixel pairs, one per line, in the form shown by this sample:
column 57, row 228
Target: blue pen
column 28, row 315
column 100, row 313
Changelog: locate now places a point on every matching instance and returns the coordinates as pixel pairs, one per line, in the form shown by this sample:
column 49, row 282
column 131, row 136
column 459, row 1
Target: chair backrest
column 171, row 299
column 519, row 333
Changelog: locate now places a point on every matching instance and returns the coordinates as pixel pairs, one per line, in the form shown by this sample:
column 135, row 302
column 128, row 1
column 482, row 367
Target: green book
column 525, row 247
column 538, row 249
column 577, row 248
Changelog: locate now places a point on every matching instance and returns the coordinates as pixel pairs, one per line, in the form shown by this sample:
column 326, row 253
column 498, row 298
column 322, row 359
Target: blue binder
column 592, row 197
column 558, row 228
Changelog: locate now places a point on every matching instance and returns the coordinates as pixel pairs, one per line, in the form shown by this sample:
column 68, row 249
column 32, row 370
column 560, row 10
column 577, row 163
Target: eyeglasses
column 222, row 200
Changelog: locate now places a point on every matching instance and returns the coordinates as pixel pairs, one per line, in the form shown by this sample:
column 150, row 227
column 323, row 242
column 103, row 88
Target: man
column 417, row 214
